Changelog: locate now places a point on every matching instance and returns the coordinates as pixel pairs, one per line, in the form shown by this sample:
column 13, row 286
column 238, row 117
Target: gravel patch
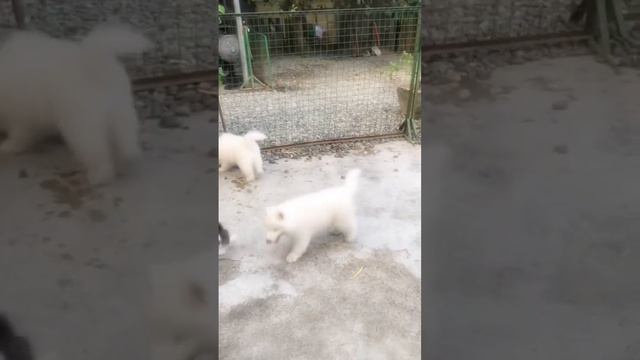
column 338, row 150
column 318, row 99
column 479, row 65
column 459, row 21
column 183, row 31
column 183, row 34
column 175, row 101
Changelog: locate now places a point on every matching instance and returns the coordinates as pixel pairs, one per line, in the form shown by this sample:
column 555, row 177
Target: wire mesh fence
column 463, row 22
column 318, row 74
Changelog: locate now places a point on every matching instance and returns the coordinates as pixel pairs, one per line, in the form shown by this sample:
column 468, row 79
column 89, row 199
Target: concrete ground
column 534, row 228
column 340, row 300
column 76, row 267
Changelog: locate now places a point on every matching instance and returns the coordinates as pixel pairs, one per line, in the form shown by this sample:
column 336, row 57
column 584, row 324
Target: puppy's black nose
column 268, row 241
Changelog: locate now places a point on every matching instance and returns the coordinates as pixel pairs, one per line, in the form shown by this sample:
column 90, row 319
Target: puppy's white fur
column 302, row 218
column 241, row 151
column 76, row 89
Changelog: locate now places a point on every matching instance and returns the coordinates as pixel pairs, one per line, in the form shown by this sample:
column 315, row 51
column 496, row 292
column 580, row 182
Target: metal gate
column 321, row 74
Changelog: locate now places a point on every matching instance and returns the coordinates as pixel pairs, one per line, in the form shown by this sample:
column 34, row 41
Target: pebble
column 454, row 76
column 560, row 105
column 464, row 94
column 182, row 110
column 169, row 121
column 561, row 149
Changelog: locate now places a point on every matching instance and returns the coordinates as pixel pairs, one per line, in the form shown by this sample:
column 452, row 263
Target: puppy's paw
column 291, row 258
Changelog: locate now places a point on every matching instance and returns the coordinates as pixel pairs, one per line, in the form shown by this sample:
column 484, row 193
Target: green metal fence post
column 409, row 126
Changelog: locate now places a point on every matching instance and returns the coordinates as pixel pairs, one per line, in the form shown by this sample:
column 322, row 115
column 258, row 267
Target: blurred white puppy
column 304, row 217
column 76, row 89
column 241, row 151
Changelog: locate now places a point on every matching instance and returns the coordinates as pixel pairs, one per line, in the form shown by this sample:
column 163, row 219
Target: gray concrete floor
column 339, row 301
column 532, row 239
column 75, row 268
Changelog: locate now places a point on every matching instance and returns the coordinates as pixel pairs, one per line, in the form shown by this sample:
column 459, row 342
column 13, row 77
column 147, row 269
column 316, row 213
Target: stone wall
column 453, row 21
column 184, row 31
column 171, row 103
column 460, row 21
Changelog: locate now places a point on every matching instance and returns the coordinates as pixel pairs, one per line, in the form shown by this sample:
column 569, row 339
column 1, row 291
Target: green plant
column 220, row 77
column 403, row 64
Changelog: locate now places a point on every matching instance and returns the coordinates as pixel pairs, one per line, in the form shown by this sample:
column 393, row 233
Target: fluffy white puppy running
column 241, row 151
column 76, row 89
column 302, row 218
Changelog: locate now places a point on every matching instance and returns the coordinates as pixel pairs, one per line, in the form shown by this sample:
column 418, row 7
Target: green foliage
column 220, row 77
column 297, row 5
column 405, row 63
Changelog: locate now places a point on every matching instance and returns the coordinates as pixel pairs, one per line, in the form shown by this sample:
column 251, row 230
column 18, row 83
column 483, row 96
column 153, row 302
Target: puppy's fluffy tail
column 255, row 136
column 13, row 346
column 115, row 39
column 351, row 182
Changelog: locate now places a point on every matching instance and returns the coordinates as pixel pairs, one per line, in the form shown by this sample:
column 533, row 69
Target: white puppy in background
column 304, row 217
column 76, row 89
column 241, row 151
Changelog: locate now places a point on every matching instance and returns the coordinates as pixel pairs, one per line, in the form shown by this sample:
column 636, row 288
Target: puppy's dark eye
column 268, row 241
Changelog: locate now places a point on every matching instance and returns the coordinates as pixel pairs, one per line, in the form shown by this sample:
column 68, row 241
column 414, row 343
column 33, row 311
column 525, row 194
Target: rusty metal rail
column 505, row 43
column 335, row 141
column 155, row 82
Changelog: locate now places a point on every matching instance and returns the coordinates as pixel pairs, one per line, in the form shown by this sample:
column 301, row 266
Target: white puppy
column 241, row 151
column 304, row 217
column 78, row 90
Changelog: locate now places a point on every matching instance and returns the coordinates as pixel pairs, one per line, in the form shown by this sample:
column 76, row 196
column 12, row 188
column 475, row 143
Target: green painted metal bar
column 409, row 126
column 327, row 11
column 621, row 25
column 603, row 29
